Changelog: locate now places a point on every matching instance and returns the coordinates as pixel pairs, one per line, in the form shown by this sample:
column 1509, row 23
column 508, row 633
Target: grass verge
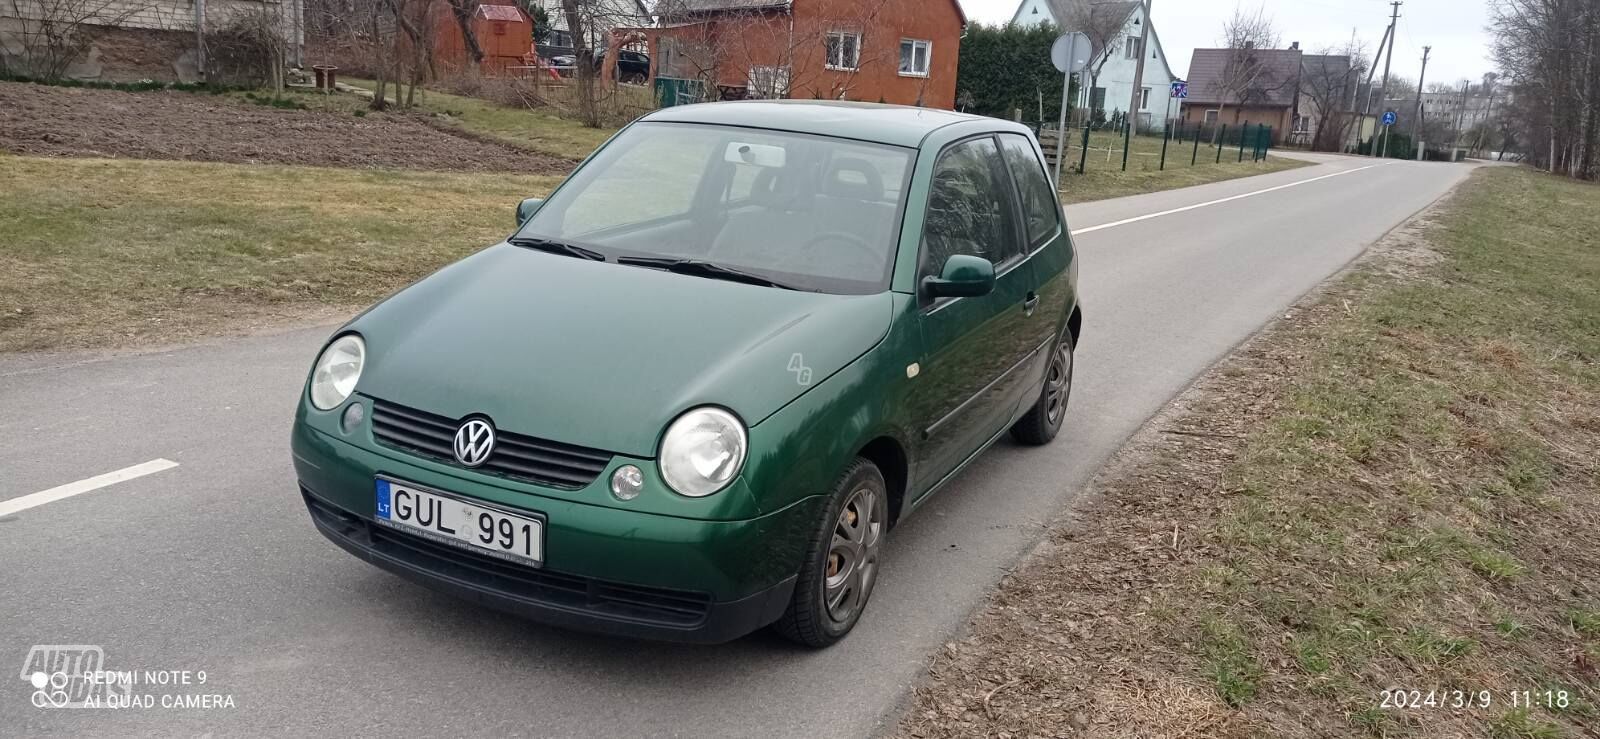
column 1396, row 488
column 1104, row 178
column 117, row 252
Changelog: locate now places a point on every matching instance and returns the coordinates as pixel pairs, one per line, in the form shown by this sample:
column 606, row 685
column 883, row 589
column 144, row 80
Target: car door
column 1049, row 247
column 967, row 388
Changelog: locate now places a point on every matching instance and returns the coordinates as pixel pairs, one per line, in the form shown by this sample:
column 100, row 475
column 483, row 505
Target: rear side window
column 1041, row 210
column 969, row 208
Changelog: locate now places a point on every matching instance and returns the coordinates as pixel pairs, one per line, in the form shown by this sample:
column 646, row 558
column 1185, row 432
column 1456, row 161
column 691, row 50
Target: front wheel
column 841, row 563
column 1043, row 421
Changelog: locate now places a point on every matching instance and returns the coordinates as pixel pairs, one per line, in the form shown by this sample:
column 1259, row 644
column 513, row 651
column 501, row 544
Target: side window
column 1041, row 210
column 969, row 208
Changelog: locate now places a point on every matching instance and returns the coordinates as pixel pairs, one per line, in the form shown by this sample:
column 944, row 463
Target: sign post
column 1065, row 54
column 1389, row 119
column 1180, row 91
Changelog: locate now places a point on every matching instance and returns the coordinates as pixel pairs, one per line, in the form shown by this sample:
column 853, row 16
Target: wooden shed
column 505, row 34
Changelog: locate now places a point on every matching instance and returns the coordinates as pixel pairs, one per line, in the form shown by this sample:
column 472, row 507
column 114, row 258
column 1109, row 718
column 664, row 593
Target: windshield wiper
column 558, row 247
column 702, row 268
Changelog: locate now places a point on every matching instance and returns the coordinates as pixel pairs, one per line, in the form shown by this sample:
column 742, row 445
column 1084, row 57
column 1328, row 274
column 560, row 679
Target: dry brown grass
column 1396, row 487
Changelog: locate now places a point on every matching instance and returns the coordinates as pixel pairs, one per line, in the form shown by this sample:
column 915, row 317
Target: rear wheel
column 841, row 564
column 1043, row 421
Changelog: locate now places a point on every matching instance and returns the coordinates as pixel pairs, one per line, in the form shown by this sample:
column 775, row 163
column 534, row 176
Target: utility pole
column 1138, row 71
column 1366, row 105
column 1416, row 120
column 1455, row 137
column 1488, row 114
column 1383, row 92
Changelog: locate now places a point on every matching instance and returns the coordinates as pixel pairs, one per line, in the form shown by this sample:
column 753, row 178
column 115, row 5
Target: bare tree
column 1246, row 76
column 252, row 46
column 588, row 108
column 464, row 10
column 1327, row 93
column 1549, row 51
column 1103, row 24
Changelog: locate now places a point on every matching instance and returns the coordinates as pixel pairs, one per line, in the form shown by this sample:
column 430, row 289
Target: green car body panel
column 605, row 356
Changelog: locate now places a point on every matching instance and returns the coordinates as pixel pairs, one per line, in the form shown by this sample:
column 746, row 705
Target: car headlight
column 703, row 451
column 334, row 377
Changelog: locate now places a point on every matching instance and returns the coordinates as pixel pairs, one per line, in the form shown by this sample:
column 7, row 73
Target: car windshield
column 807, row 212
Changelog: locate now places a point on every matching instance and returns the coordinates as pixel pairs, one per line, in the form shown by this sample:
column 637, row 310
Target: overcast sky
column 1454, row 28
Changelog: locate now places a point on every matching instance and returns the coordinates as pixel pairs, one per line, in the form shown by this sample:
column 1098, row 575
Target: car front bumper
column 606, row 570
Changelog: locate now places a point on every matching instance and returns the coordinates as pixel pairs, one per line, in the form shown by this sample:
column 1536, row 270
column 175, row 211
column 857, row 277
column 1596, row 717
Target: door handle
column 1030, row 303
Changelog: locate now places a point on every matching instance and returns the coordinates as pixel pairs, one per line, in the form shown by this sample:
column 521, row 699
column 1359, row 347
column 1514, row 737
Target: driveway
column 212, row 564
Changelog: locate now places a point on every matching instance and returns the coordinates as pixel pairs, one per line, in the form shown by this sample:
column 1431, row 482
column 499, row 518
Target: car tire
column 1044, row 419
column 842, row 560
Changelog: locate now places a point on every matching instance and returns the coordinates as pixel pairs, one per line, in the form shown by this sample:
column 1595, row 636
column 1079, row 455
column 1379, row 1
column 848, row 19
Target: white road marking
column 1197, row 206
column 17, row 505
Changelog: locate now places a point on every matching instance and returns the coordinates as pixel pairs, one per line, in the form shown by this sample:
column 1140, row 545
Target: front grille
column 677, row 608
column 515, row 456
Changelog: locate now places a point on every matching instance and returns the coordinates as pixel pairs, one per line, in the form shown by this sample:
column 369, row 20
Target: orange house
column 505, row 35
column 894, row 51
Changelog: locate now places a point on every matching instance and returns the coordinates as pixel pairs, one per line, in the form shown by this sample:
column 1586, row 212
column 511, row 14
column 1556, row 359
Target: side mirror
column 964, row 276
column 527, row 208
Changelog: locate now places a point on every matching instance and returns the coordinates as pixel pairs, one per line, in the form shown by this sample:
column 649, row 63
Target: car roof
column 897, row 125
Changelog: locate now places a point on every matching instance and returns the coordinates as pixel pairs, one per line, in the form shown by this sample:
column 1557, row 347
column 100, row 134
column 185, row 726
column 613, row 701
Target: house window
column 844, row 50
column 1211, row 117
column 768, row 83
column 1097, row 98
column 499, row 29
column 1131, row 50
column 1144, row 99
column 915, row 57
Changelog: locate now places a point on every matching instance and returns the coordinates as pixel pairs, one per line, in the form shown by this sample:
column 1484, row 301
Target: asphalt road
column 213, row 565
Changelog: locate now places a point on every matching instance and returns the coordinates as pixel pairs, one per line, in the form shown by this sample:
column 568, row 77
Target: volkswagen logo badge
column 474, row 442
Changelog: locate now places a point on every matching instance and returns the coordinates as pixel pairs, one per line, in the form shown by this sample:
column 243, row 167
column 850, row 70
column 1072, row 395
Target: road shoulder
column 1377, row 491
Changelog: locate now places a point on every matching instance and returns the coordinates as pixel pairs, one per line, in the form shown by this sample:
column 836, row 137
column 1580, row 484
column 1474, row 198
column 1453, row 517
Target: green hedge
column 1004, row 68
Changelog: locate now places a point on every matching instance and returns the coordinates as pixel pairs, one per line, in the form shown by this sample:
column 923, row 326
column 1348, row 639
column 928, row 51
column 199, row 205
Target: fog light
column 626, row 482
column 353, row 416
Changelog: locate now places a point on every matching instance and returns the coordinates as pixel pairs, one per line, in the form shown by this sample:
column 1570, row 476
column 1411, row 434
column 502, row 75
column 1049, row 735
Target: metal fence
column 1177, row 144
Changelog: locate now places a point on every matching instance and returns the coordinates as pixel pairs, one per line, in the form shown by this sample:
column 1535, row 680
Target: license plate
column 446, row 519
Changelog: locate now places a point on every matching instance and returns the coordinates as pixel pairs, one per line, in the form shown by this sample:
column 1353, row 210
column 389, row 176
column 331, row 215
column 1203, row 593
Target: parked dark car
column 632, row 67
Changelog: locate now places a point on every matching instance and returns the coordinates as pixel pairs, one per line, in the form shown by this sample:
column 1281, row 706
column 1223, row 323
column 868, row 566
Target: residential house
column 1114, row 66
column 1281, row 88
column 894, row 51
column 136, row 39
column 599, row 17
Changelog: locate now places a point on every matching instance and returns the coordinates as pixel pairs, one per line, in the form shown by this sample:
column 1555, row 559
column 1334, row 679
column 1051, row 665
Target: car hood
column 603, row 355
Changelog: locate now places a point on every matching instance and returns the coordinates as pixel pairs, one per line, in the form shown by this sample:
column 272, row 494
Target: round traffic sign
column 1070, row 53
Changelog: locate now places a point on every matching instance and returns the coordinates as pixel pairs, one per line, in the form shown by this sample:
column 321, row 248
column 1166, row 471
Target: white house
column 599, row 15
column 1113, row 90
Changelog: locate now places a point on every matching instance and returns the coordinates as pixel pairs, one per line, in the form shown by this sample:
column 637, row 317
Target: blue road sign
column 1180, row 90
column 1389, row 118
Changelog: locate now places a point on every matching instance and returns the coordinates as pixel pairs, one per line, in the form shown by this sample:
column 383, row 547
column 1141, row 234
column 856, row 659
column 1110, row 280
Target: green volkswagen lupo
column 701, row 383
